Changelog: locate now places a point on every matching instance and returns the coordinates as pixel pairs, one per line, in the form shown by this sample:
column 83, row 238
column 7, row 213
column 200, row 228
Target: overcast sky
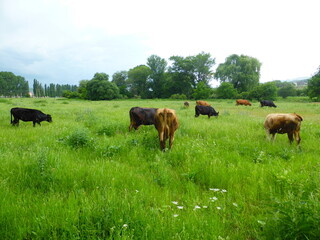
column 65, row 41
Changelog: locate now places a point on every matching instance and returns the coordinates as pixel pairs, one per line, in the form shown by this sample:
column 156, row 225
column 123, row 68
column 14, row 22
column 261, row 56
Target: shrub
column 79, row 138
column 178, row 96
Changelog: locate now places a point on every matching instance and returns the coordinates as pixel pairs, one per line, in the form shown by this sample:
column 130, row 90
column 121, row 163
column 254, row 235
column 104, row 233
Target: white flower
column 223, row 190
column 214, row 189
column 175, row 202
column 219, row 208
column 175, row 215
column 137, row 191
column 180, row 207
column 234, row 204
column 196, row 207
column 214, row 199
column 261, row 222
column 125, row 225
column 204, row 206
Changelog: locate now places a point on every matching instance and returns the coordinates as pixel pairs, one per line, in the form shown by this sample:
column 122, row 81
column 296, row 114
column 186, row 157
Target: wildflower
column 137, row 191
column 196, row 207
column 223, row 190
column 175, row 202
column 175, row 215
column 261, row 222
column 204, row 206
column 214, row 199
column 234, row 204
column 180, row 207
column 125, row 225
column 219, row 208
column 214, row 189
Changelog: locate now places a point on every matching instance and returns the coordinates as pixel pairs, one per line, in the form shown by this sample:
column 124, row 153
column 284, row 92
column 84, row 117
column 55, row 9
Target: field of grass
column 84, row 176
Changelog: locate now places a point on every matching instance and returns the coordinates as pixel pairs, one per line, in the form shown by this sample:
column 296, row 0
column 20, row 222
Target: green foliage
column 12, row 85
column 121, row 80
column 202, row 91
column 186, row 73
column 264, row 91
column 313, row 89
column 287, row 89
column 69, row 94
column 78, row 138
column 178, row 96
column 242, row 71
column 226, row 91
column 137, row 77
column 157, row 78
column 99, row 88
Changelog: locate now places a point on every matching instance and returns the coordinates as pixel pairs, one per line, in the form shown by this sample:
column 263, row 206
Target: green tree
column 157, row 78
column 12, row 85
column 202, row 91
column 82, row 90
column 313, row 88
column 226, row 91
column 287, row 89
column 202, row 64
column 242, row 71
column 181, row 77
column 264, row 91
column 121, row 80
column 137, row 78
column 99, row 88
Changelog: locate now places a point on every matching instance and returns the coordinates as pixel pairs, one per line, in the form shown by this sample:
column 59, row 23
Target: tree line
column 184, row 78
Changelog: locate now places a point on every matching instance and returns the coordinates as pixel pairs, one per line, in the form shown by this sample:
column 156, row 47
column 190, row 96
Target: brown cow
column 283, row 123
column 243, row 102
column 166, row 122
column 186, row 104
column 202, row 103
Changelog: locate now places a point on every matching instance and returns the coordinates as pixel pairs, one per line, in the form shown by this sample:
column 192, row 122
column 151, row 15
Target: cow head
column 214, row 113
column 49, row 118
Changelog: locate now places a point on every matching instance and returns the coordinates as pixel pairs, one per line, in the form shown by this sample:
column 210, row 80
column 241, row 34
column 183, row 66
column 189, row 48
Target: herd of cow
column 166, row 121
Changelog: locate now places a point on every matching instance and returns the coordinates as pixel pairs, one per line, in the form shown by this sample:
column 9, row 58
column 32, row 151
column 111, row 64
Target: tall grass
column 84, row 176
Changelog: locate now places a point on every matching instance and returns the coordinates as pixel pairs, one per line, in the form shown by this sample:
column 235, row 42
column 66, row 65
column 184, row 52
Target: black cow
column 27, row 115
column 205, row 110
column 141, row 116
column 267, row 103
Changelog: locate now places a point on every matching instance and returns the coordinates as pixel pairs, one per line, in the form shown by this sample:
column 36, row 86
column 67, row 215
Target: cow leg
column 162, row 140
column 268, row 134
column 273, row 137
column 15, row 122
column 34, row 123
column 290, row 136
column 171, row 139
column 297, row 137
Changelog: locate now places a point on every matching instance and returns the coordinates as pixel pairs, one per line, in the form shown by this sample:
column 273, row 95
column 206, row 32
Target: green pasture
column 84, row 176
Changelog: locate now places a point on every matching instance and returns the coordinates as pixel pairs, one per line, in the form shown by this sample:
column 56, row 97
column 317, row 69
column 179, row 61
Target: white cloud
column 70, row 40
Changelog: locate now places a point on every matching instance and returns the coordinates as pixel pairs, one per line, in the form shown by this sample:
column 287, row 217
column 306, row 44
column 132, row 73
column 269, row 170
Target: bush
column 79, row 138
column 178, row 96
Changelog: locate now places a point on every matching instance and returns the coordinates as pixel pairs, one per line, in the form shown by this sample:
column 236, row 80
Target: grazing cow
column 186, row 104
column 243, row 102
column 283, row 123
column 202, row 103
column 166, row 122
column 267, row 103
column 141, row 116
column 27, row 115
column 205, row 110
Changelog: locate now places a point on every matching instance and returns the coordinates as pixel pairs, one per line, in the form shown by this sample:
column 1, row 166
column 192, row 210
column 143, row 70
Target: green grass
column 84, row 176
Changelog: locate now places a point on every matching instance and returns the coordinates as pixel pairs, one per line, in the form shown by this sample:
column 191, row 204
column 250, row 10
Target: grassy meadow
column 84, row 176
